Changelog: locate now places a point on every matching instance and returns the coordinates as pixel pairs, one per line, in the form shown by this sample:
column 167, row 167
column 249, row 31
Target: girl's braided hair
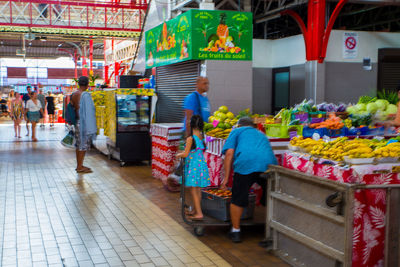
column 196, row 122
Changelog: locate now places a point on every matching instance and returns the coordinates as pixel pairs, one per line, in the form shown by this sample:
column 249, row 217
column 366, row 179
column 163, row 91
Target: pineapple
column 222, row 30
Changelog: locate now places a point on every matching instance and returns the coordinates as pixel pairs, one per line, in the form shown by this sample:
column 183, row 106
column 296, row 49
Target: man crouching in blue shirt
column 251, row 153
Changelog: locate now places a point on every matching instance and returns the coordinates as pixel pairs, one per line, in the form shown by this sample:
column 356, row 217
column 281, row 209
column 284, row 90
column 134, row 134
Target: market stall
column 315, row 221
column 362, row 215
column 165, row 140
column 125, row 116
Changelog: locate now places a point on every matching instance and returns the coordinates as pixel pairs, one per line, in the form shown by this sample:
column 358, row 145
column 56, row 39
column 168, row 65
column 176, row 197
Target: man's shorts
column 241, row 186
column 81, row 145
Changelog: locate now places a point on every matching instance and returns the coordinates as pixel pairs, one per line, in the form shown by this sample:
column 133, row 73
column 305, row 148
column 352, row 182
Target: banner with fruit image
column 201, row 34
column 222, row 35
column 169, row 42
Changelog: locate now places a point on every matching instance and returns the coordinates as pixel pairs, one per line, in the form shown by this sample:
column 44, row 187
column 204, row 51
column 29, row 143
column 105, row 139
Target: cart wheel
column 334, row 199
column 122, row 163
column 199, row 231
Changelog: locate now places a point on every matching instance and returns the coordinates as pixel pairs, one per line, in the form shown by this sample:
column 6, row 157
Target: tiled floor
column 50, row 216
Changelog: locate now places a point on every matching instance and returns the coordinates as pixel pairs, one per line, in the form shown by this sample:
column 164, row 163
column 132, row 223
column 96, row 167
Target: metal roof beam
column 183, row 4
column 372, row 2
column 272, row 14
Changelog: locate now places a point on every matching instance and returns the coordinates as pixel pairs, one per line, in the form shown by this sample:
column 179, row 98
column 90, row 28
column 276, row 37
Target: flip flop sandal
column 196, row 219
column 189, row 213
column 84, row 171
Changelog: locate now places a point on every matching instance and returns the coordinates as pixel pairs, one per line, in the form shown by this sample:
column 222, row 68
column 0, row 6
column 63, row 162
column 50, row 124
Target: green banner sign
column 201, row 34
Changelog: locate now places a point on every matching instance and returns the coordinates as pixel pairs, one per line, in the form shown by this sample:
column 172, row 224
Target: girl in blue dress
column 196, row 169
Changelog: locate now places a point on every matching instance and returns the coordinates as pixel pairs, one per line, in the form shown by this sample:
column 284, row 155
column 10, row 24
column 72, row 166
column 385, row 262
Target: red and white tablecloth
column 165, row 139
column 369, row 206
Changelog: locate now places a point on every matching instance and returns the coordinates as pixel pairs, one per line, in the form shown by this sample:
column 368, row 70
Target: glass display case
column 133, row 113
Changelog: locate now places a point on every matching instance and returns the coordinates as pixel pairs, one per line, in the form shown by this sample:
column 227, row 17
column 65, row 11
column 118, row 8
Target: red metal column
column 84, row 66
column 91, row 56
column 76, row 64
column 116, row 72
column 315, row 36
column 106, row 67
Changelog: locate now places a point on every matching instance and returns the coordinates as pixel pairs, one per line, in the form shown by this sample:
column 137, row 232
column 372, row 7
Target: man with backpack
column 84, row 121
column 197, row 103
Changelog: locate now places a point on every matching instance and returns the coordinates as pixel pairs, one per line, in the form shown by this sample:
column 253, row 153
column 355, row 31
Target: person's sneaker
column 235, row 237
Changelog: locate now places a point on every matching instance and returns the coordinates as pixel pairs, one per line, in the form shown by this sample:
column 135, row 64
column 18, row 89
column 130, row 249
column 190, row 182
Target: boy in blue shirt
column 197, row 104
column 251, row 153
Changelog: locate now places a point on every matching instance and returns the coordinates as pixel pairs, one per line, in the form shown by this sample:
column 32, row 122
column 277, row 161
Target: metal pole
column 91, row 56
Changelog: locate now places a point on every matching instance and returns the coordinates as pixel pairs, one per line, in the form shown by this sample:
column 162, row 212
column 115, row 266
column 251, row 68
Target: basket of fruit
column 215, row 203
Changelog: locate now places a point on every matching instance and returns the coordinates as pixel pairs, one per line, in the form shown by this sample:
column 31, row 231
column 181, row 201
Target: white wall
column 369, row 43
column 291, row 51
column 231, row 84
column 279, row 53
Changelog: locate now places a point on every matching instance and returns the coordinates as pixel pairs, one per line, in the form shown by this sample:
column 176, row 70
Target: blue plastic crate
column 337, row 133
column 358, row 131
column 308, row 132
column 377, row 131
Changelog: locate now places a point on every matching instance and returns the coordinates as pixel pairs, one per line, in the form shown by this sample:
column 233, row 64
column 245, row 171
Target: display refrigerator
column 130, row 139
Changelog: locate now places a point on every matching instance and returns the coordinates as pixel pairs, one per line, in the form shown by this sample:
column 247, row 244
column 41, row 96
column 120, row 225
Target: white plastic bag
column 69, row 140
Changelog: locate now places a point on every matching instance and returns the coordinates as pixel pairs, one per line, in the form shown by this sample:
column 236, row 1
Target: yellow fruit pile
column 219, row 133
column 136, row 91
column 342, row 147
column 99, row 98
column 100, row 117
column 391, row 150
column 110, row 122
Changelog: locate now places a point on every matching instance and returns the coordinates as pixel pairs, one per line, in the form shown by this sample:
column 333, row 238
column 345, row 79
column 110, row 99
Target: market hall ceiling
column 360, row 15
column 46, row 47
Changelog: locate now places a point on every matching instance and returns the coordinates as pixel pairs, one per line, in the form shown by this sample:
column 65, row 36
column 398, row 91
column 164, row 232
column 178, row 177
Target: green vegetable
column 390, row 96
column 358, row 120
column 366, row 99
column 244, row 113
column 391, row 109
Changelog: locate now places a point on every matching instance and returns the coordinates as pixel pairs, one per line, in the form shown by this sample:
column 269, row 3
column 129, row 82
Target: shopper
column 50, row 108
column 3, row 103
column 251, row 153
column 196, row 169
column 33, row 110
column 42, row 100
column 85, row 127
column 25, row 98
column 17, row 113
column 197, row 103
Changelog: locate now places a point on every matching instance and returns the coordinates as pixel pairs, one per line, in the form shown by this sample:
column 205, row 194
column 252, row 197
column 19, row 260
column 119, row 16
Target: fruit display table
column 215, row 159
column 165, row 139
column 369, row 221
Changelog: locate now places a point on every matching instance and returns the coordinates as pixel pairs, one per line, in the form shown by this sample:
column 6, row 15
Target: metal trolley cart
column 199, row 226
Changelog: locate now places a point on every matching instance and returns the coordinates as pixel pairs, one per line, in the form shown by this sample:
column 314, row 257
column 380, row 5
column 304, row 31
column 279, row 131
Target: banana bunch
column 391, row 150
column 219, row 133
column 136, row 91
column 100, row 117
column 110, row 123
column 99, row 98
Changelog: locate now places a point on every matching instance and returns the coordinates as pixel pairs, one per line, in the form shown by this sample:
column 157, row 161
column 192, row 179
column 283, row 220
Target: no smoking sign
column 350, row 45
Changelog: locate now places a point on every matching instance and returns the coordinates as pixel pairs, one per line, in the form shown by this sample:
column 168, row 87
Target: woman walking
column 50, row 108
column 17, row 113
column 33, row 110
